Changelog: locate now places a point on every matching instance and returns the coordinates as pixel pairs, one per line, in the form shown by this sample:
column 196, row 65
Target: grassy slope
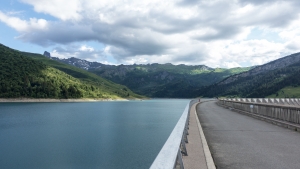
column 287, row 92
column 85, row 76
column 33, row 75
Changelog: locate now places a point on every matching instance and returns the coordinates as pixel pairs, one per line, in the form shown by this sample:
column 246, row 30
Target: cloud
column 188, row 2
column 59, row 33
column 85, row 48
column 257, row 2
column 64, row 10
column 231, row 64
column 278, row 14
column 221, row 32
column 293, row 45
column 251, row 52
column 23, row 25
column 80, row 51
column 214, row 33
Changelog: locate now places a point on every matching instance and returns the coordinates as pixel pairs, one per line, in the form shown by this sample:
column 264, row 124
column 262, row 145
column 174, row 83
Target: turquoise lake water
column 87, row 135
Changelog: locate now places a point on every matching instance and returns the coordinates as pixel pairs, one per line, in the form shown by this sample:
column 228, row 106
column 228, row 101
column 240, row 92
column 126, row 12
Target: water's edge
column 19, row 100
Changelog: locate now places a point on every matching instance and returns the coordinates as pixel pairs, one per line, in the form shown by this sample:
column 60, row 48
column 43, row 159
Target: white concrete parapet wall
column 285, row 112
column 168, row 155
column 171, row 153
column 297, row 101
column 279, row 101
column 292, row 102
column 272, row 100
column 287, row 102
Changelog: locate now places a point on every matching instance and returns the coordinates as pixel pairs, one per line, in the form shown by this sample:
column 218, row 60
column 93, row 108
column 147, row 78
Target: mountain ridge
column 261, row 81
column 157, row 80
column 153, row 80
column 275, row 64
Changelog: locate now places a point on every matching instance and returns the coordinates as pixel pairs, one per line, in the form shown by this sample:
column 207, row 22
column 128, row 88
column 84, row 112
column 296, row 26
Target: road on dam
column 238, row 141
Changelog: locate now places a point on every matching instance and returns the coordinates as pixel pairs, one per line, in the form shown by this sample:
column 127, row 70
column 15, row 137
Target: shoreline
column 31, row 100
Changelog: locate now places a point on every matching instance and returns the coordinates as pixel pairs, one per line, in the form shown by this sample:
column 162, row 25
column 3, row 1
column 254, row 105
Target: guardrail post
column 179, row 160
column 187, row 123
column 185, row 135
column 183, row 148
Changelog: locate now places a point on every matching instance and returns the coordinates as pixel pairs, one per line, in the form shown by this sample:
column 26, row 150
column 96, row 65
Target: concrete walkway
column 196, row 147
column 238, row 141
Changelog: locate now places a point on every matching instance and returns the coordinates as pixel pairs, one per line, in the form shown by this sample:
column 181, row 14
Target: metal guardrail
column 279, row 101
column 285, row 113
column 170, row 156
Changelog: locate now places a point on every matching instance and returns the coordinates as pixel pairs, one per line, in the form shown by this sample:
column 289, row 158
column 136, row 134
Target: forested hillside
column 156, row 80
column 165, row 80
column 33, row 77
column 259, row 85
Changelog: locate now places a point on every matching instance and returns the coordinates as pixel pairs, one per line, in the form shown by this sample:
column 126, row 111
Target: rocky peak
column 47, row 54
column 83, row 64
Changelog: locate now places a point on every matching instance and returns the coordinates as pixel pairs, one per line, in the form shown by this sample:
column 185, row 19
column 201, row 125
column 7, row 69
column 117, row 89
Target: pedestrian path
column 196, row 156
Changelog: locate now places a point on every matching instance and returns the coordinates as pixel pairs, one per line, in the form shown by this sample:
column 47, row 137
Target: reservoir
column 119, row 134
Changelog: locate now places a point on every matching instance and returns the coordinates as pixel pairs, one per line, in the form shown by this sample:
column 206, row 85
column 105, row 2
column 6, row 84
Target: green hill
column 165, row 80
column 279, row 78
column 287, row 92
column 35, row 76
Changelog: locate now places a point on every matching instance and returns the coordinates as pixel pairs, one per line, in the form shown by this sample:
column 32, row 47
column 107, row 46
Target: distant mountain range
column 24, row 74
column 157, row 80
column 279, row 78
column 83, row 64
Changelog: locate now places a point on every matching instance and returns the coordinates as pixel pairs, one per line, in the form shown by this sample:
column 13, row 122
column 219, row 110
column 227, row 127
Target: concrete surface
column 240, row 142
column 196, row 157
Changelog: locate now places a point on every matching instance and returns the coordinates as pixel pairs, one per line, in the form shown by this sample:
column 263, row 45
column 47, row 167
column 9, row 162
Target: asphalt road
column 238, row 141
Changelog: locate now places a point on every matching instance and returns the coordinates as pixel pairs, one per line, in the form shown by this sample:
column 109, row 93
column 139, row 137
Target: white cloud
column 214, row 33
column 86, row 48
column 64, row 10
column 80, row 51
column 23, row 25
column 55, row 53
column 231, row 64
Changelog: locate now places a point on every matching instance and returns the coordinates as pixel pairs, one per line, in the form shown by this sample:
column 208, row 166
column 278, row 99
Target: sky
column 215, row 33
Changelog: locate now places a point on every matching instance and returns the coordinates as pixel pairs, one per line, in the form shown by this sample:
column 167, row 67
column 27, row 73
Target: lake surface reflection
column 85, row 135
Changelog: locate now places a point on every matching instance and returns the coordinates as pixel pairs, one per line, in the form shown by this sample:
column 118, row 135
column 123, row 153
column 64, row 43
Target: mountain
column 83, row 64
column 32, row 75
column 158, row 80
column 270, row 79
column 165, row 80
column 273, row 65
column 47, row 54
